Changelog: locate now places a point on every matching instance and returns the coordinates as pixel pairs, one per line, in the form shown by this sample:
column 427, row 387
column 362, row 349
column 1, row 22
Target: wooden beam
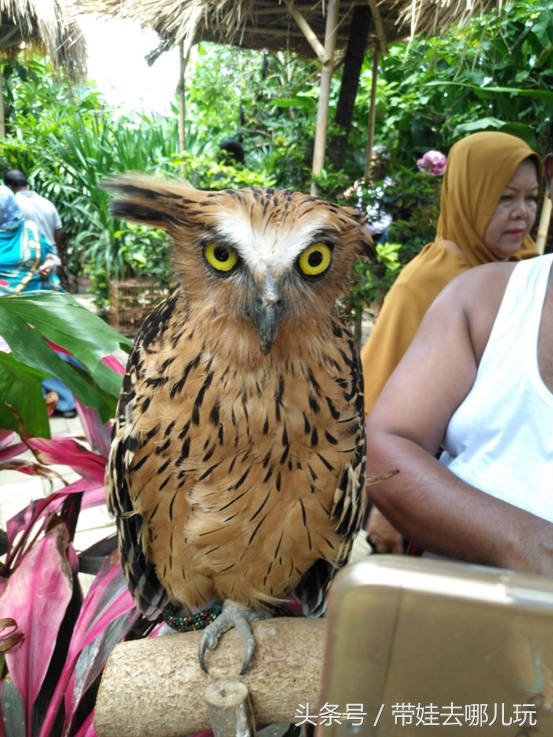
column 279, row 9
column 284, row 32
column 324, row 97
column 372, row 118
column 7, row 39
column 155, row 687
column 379, row 26
column 305, row 28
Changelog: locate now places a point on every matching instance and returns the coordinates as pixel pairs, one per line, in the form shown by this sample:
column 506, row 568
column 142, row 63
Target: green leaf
column 522, row 131
column 481, row 124
column 305, row 103
column 27, row 399
column 515, row 129
column 62, row 320
column 536, row 94
column 28, row 347
column 13, row 708
column 21, row 370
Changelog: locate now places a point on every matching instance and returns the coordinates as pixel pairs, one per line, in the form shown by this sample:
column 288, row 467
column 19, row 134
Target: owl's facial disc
column 266, row 312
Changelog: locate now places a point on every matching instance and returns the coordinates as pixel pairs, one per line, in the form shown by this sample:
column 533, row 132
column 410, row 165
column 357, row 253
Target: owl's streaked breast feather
column 235, row 475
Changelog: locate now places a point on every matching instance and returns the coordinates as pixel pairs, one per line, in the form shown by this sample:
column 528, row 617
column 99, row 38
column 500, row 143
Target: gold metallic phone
column 418, row 647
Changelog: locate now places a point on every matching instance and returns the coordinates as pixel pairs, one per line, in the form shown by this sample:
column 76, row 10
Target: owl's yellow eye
column 315, row 260
column 221, row 258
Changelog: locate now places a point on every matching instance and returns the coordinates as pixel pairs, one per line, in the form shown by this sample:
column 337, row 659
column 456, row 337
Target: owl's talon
column 248, row 649
column 231, row 617
column 210, row 638
column 201, row 653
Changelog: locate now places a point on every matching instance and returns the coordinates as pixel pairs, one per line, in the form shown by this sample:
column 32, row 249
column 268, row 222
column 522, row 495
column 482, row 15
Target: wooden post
column 182, row 118
column 372, row 118
column 324, row 98
column 230, row 709
column 543, row 227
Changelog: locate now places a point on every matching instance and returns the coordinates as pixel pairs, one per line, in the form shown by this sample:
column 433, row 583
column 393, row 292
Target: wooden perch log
column 155, row 687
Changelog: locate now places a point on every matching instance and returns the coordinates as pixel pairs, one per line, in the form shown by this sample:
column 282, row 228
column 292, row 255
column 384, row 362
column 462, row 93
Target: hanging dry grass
column 259, row 24
column 50, row 25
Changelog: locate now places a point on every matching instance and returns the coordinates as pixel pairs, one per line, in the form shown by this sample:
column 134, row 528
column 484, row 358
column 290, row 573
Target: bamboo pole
column 379, row 26
column 2, row 122
column 372, row 118
column 324, row 97
column 305, row 28
column 183, row 61
column 543, row 227
column 155, row 687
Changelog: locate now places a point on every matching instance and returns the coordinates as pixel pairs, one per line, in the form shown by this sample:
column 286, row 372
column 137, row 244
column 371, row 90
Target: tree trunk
column 358, row 32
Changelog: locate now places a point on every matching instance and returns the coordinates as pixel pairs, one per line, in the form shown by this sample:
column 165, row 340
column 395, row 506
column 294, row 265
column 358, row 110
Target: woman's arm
column 425, row 501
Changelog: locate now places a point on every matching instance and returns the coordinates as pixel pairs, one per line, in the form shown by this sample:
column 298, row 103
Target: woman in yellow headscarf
column 479, row 168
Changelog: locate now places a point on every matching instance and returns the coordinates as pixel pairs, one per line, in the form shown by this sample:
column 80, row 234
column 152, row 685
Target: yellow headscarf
column 478, row 169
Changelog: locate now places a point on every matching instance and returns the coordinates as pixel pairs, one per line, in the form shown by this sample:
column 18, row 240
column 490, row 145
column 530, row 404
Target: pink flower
column 433, row 162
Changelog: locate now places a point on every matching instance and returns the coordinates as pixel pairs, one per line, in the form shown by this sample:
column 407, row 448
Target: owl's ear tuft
column 149, row 200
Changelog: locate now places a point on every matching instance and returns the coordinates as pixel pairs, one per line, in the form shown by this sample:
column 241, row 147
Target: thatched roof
column 49, row 24
column 268, row 24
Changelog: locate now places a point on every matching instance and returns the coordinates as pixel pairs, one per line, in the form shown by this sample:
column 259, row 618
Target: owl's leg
column 231, row 617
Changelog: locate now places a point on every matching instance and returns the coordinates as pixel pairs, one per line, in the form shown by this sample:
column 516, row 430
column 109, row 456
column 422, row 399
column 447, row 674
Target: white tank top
column 500, row 439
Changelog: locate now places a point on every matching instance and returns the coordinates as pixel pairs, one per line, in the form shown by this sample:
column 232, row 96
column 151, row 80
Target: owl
column 236, row 472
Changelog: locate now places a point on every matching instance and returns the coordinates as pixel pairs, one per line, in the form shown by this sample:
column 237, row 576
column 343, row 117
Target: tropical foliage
column 58, row 640
column 54, row 641
column 59, row 320
column 494, row 73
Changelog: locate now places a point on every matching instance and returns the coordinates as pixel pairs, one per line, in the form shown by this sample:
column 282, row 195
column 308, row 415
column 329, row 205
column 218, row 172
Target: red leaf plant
column 53, row 642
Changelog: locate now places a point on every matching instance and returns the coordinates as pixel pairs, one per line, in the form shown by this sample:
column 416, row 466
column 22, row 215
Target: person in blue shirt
column 26, row 260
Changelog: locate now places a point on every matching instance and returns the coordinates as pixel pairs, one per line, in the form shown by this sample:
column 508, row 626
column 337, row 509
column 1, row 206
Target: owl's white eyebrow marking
column 270, row 246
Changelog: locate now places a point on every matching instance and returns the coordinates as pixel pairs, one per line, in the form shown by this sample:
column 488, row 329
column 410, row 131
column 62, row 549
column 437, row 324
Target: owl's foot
column 231, row 617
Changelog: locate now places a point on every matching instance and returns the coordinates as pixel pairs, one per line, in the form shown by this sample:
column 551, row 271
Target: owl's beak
column 266, row 313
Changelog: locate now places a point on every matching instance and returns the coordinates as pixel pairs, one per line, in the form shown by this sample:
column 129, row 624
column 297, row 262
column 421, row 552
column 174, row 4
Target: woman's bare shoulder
column 480, row 285
column 478, row 293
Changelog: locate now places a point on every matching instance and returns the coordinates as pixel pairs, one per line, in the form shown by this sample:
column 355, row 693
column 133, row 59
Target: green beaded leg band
column 202, row 619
